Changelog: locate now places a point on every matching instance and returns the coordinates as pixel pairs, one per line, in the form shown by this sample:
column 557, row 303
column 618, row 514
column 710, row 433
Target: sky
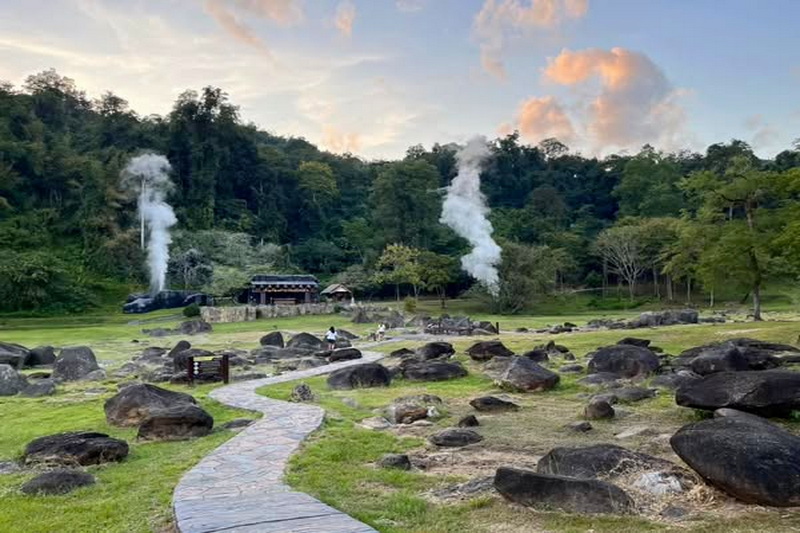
column 373, row 77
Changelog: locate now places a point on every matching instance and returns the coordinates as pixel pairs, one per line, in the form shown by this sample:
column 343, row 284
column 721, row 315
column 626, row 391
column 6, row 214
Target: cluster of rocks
column 517, row 373
column 159, row 415
column 189, row 327
column 390, row 317
column 649, row 319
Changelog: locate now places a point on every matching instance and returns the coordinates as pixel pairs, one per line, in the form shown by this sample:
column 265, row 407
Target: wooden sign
column 208, row 369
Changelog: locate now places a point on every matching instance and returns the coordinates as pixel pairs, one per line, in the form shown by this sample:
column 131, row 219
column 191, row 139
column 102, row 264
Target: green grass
column 337, row 464
column 131, row 496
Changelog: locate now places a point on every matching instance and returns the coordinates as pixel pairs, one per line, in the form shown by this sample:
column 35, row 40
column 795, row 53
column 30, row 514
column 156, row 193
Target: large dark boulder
column 767, row 393
column 433, row 370
column 11, row 381
column 598, row 461
column 75, row 448
column 39, row 388
column 133, row 404
column 74, row 363
column 524, row 375
column 669, row 317
column 454, row 437
column 306, row 341
column 752, row 460
column 634, row 341
column 344, row 354
column 13, row 354
column 492, row 404
column 563, row 493
column 177, row 422
column 432, row 350
column 598, row 409
column 273, row 338
column 59, row 481
column 179, row 347
column 734, row 355
column 624, row 360
column 360, row 376
column 194, row 327
column 485, row 350
column 40, row 356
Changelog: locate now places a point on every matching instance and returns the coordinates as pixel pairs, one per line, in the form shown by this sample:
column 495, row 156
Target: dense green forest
column 653, row 223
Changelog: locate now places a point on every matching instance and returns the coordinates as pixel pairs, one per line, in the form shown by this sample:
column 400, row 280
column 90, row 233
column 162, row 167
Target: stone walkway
column 239, row 486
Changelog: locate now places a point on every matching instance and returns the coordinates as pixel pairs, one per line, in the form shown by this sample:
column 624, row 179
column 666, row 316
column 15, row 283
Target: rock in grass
column 432, row 370
column 749, row 458
column 177, row 422
column 491, row 403
column 11, row 381
column 237, row 424
column 344, row 354
column 485, row 350
column 579, row 427
column 58, row 482
column 274, row 338
column 360, row 376
column 42, row 387
column 572, row 495
column 302, row 393
column 395, row 460
column 133, row 404
column 454, row 437
column 74, row 363
column 41, row 355
column 523, row 375
column 468, row 421
column 624, row 360
column 598, row 410
column 762, row 392
column 433, row 350
column 75, row 448
column 599, row 460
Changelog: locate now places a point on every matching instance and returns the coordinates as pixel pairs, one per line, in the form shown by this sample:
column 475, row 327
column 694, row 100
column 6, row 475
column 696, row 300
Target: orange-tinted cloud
column 230, row 15
column 345, row 17
column 636, row 103
column 339, row 141
column 541, row 118
column 498, row 19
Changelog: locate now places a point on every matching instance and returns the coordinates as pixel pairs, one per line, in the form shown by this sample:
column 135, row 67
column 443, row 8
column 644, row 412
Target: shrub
column 410, row 305
column 192, row 310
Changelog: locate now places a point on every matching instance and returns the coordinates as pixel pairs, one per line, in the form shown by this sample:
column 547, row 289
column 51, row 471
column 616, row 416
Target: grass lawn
column 337, row 464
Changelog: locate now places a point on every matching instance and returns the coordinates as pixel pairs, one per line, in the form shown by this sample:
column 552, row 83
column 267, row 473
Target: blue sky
column 376, row 76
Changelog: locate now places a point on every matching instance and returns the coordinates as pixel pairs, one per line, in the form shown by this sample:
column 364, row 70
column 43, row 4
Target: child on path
column 331, row 337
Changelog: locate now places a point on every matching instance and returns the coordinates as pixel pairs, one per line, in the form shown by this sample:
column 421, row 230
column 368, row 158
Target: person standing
column 381, row 331
column 331, row 337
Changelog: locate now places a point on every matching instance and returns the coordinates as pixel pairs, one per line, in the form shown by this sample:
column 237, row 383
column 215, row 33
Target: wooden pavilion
column 267, row 289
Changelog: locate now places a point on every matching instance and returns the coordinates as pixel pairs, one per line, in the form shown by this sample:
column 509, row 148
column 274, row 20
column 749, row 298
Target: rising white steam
column 148, row 176
column 465, row 211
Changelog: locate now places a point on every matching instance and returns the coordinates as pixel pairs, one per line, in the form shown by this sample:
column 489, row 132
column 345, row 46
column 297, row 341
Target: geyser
column 465, row 211
column 148, row 176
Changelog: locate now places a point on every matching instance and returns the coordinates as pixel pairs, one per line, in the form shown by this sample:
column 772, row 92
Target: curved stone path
column 239, row 486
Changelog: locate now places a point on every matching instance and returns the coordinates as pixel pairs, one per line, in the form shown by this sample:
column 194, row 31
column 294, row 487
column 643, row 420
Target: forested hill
column 248, row 200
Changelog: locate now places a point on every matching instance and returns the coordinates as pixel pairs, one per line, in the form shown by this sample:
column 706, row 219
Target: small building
column 267, row 289
column 337, row 293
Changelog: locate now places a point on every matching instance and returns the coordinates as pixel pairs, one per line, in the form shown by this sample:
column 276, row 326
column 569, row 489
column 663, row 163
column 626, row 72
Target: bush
column 192, row 310
column 410, row 305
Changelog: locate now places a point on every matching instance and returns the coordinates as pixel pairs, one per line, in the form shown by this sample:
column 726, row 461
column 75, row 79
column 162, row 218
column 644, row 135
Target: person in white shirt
column 331, row 337
column 381, row 331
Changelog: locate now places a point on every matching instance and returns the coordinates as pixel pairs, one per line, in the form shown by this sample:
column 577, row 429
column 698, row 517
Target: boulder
column 346, row 335
column 567, row 494
column 75, row 448
column 181, row 346
column 133, row 404
column 194, row 327
column 74, row 363
column 434, row 370
column 523, row 375
column 433, row 350
column 395, row 460
column 633, row 394
column 766, row 393
column 306, row 341
column 722, row 358
column 454, row 437
column 468, row 421
column 624, row 360
column 635, row 341
column 273, row 338
column 600, row 379
column 753, row 461
column 59, row 481
column 669, row 317
column 674, row 380
column 40, row 356
column 579, row 427
column 537, row 355
column 599, row 461
column 177, row 422
column 11, row 381
column 13, row 354
column 359, row 376
column 302, row 393
column 402, row 352
column 408, row 409
column 237, row 424
column 571, row 369
column 598, row 410
column 39, row 388
column 734, row 355
column 491, row 403
column 485, row 350
column 344, row 354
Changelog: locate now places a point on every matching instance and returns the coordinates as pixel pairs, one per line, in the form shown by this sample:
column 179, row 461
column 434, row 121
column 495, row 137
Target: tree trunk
column 397, row 291
column 688, row 289
column 670, row 295
column 757, row 303
column 605, row 278
column 656, row 283
column 711, row 298
column 631, row 288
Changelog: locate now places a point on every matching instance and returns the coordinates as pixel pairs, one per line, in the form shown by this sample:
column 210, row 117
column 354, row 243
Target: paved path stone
column 239, row 488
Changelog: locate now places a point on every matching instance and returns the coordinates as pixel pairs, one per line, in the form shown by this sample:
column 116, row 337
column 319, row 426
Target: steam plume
column 147, row 175
column 465, row 211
